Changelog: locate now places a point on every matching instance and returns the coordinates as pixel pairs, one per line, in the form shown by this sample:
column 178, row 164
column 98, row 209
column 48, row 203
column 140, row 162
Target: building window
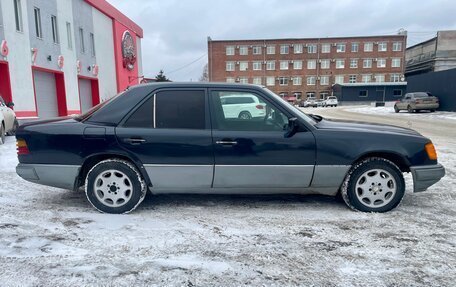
column 256, row 50
column 324, row 95
column 55, row 29
column 311, row 80
column 395, row 78
column 340, row 48
column 81, row 39
column 352, row 79
column 366, row 78
column 324, row 64
column 243, row 50
column 353, row 63
column 229, row 50
column 257, row 66
column 284, row 65
column 381, row 63
column 379, row 78
column 324, row 80
column 397, row 93
column 397, row 46
column 270, row 65
column 284, row 49
column 340, row 63
column 396, row 62
column 270, row 81
column 297, row 65
column 283, row 81
column 92, row 44
column 18, row 15
column 354, row 47
column 229, row 66
column 311, row 48
column 367, row 63
column 297, row 81
column 257, row 81
column 382, row 47
column 270, row 50
column 69, row 39
column 339, row 79
column 368, row 47
column 298, row 49
column 363, row 93
column 243, row 66
column 243, row 80
column 38, row 31
column 311, row 64
column 230, row 80
column 325, row 48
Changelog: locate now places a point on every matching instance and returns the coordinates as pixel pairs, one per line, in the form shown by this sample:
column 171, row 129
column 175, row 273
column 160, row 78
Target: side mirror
column 10, row 105
column 292, row 127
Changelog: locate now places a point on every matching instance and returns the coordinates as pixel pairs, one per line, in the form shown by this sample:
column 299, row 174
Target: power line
column 186, row 65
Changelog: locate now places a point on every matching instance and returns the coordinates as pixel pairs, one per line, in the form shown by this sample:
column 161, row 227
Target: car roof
column 156, row 85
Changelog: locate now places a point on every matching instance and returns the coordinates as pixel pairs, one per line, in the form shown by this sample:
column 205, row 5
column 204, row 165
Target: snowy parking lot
column 54, row 237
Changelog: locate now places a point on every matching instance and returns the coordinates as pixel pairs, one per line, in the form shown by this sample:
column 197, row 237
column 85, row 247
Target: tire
column 358, row 188
column 410, row 110
column 432, row 111
column 245, row 115
column 115, row 186
column 13, row 131
column 2, row 134
column 396, row 109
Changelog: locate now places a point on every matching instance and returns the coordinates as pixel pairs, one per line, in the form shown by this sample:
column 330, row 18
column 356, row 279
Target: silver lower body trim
column 61, row 176
column 167, row 176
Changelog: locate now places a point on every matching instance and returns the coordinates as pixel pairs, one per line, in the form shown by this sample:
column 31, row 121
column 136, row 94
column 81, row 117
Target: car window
column 420, row 95
column 180, row 110
column 251, row 113
column 143, row 117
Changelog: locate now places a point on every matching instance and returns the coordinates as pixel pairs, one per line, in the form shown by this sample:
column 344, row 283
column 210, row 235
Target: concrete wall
column 441, row 84
column 19, row 59
column 2, row 35
column 104, row 40
column 82, row 16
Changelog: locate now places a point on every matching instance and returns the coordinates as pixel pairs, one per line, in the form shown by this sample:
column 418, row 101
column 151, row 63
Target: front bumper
column 426, row 175
column 61, row 176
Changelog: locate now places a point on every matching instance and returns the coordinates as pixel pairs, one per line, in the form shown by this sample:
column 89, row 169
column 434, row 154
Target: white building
column 61, row 57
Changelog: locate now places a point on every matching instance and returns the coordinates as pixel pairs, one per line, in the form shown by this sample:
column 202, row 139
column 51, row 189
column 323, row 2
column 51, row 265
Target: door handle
column 135, row 141
column 226, row 142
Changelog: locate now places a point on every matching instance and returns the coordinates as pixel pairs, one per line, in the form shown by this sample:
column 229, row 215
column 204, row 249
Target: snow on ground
column 54, row 237
column 388, row 111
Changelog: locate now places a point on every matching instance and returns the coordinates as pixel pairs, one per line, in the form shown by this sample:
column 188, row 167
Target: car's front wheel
column 373, row 185
column 396, row 109
column 114, row 186
column 2, row 134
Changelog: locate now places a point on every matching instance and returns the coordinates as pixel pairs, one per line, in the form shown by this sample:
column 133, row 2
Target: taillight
column 21, row 147
column 260, row 107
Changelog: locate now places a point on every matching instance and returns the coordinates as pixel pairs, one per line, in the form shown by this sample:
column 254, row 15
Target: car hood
column 363, row 127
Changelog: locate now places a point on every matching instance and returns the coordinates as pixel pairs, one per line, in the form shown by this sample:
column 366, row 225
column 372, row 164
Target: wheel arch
column 398, row 159
column 92, row 160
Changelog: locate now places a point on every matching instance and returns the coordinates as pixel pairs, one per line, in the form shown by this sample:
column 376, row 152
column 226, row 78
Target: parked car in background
column 235, row 106
column 310, row 102
column 415, row 102
column 177, row 138
column 331, row 101
column 8, row 121
column 319, row 103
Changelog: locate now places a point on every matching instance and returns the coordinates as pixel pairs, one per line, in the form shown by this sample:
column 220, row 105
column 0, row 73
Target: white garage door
column 85, row 94
column 46, row 95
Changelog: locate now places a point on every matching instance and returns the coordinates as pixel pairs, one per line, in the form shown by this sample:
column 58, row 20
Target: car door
column 6, row 115
column 404, row 101
column 170, row 134
column 254, row 153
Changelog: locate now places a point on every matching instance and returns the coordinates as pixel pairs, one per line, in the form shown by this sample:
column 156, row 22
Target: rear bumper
column 426, row 106
column 426, row 175
column 61, row 176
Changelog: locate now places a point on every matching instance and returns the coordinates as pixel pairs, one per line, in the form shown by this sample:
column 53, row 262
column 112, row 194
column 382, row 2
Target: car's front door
column 170, row 134
column 254, row 152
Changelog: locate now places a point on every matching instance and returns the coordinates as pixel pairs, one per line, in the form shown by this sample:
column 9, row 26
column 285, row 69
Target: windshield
column 90, row 112
column 301, row 114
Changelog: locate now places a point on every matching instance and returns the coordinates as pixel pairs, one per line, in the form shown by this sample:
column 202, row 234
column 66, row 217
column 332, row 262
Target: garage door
column 46, row 95
column 85, row 94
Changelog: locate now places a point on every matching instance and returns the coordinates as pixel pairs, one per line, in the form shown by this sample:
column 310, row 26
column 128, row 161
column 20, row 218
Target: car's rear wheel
column 2, row 134
column 396, row 109
column 373, row 185
column 114, row 186
column 410, row 110
column 15, row 126
column 245, row 115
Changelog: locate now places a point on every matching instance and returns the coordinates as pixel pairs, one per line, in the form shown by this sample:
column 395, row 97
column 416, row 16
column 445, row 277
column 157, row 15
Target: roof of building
column 372, row 84
column 112, row 12
column 315, row 38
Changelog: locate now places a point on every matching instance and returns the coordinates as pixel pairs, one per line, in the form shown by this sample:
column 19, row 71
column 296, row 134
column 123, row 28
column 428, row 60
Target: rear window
column 332, row 98
column 421, row 95
column 236, row 100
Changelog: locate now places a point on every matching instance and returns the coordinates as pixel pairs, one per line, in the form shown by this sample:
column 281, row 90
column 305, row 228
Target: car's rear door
column 170, row 134
column 254, row 153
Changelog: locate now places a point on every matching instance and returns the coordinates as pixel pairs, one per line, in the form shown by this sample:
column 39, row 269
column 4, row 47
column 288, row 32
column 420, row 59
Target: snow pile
column 390, row 111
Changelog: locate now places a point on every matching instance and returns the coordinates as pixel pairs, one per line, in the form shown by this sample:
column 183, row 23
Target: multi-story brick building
column 297, row 68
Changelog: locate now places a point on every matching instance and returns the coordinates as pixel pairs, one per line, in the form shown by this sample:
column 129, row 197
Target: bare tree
column 205, row 75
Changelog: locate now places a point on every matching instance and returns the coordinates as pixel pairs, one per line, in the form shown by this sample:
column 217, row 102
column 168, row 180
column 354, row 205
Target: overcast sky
column 175, row 31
